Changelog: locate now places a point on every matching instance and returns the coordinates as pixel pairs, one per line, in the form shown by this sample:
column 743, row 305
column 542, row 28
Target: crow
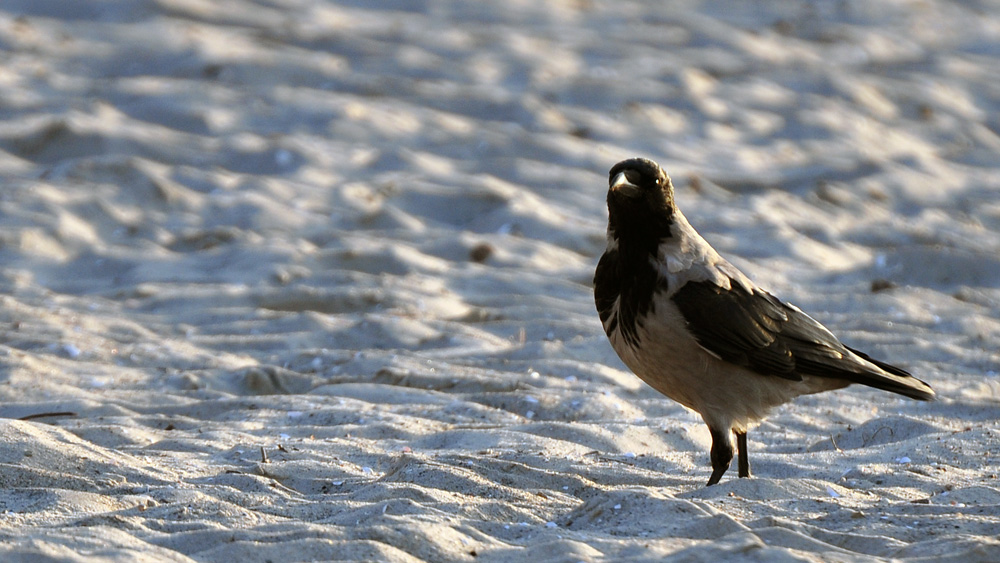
column 695, row 328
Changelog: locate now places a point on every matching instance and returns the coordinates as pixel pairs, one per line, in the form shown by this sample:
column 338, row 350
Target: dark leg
column 722, row 453
column 744, row 461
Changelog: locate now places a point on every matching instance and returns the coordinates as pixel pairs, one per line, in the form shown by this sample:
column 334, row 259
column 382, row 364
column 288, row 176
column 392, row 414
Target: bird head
column 640, row 199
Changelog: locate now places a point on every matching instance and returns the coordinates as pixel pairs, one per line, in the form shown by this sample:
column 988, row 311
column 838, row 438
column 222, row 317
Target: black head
column 640, row 200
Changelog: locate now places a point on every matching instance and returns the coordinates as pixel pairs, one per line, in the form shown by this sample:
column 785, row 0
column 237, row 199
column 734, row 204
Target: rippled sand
column 298, row 280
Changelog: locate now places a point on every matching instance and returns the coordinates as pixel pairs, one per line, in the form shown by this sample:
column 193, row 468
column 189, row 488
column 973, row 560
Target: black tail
column 894, row 379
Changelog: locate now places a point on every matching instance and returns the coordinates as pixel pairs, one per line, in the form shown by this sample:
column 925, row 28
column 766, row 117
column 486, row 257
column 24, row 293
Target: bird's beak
column 621, row 185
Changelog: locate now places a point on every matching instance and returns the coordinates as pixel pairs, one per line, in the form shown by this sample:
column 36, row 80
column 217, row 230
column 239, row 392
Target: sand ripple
column 299, row 281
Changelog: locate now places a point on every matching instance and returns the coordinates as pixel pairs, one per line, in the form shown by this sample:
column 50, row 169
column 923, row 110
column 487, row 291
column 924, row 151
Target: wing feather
column 753, row 329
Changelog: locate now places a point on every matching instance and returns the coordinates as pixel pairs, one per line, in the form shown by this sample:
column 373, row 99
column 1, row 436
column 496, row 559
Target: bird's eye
column 657, row 181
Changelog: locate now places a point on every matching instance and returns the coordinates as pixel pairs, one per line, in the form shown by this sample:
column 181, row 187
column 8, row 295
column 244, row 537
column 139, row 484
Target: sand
column 296, row 280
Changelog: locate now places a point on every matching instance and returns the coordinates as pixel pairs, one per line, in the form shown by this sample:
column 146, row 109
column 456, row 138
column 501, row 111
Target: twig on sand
column 833, row 440
column 47, row 415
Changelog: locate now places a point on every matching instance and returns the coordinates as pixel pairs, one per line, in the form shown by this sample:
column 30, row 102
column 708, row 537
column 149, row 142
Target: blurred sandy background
column 294, row 280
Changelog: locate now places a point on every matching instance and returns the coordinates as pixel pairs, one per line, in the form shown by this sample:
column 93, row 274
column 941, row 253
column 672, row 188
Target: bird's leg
column 744, row 459
column 722, row 453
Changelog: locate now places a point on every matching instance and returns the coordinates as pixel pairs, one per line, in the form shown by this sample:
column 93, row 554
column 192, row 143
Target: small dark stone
column 784, row 27
column 480, row 253
column 882, row 285
column 211, row 71
column 694, row 182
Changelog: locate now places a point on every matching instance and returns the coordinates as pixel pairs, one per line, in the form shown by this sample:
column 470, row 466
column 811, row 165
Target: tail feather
column 893, row 379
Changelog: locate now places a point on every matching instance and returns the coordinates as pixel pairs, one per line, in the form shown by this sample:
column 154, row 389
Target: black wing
column 757, row 331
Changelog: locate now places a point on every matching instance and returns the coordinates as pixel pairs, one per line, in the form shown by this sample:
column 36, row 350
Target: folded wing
column 753, row 329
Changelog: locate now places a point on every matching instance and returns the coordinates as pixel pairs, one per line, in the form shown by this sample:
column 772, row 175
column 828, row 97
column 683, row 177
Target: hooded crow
column 696, row 329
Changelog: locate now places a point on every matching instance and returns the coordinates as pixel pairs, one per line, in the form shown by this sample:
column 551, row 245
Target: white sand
column 359, row 237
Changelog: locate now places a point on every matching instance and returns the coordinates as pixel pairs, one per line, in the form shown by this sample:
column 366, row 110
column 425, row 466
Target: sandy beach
column 297, row 280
